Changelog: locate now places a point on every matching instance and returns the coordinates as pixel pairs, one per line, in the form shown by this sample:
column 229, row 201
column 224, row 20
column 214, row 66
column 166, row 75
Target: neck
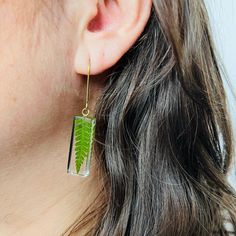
column 37, row 195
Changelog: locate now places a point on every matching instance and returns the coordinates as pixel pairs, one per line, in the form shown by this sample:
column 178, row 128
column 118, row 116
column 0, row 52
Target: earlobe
column 111, row 33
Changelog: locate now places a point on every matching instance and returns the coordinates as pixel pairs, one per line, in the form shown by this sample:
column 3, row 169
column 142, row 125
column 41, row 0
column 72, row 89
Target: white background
column 223, row 22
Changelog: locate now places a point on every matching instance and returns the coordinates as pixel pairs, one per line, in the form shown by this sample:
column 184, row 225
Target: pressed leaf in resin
column 84, row 132
column 81, row 145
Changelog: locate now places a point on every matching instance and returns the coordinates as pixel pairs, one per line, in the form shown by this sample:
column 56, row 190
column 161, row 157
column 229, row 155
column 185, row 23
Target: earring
column 82, row 137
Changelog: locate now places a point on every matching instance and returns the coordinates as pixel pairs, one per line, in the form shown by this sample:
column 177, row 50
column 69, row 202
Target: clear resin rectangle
column 81, row 145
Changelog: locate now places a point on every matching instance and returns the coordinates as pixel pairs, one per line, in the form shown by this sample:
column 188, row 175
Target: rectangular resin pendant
column 81, row 145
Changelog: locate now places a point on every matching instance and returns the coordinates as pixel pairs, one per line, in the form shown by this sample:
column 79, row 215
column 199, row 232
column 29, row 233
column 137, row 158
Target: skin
column 44, row 53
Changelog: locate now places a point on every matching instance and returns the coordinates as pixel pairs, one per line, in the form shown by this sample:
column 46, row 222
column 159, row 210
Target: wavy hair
column 163, row 136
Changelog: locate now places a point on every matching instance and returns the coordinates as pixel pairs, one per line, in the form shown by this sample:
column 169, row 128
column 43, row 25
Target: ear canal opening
column 96, row 24
column 107, row 18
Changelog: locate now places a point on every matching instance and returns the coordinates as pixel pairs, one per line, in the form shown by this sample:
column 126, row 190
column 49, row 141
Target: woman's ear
column 108, row 32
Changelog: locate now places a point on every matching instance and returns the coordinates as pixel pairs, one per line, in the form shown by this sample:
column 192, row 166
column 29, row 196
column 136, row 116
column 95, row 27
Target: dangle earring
column 82, row 137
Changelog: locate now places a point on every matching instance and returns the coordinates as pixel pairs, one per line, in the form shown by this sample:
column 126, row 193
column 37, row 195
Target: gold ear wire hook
column 85, row 111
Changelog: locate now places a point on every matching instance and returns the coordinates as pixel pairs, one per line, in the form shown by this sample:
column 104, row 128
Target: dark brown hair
column 163, row 137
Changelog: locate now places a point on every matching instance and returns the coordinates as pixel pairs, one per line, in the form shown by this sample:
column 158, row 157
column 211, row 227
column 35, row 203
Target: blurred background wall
column 223, row 22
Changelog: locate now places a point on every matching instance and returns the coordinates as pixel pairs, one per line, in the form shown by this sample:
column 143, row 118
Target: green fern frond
column 83, row 133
